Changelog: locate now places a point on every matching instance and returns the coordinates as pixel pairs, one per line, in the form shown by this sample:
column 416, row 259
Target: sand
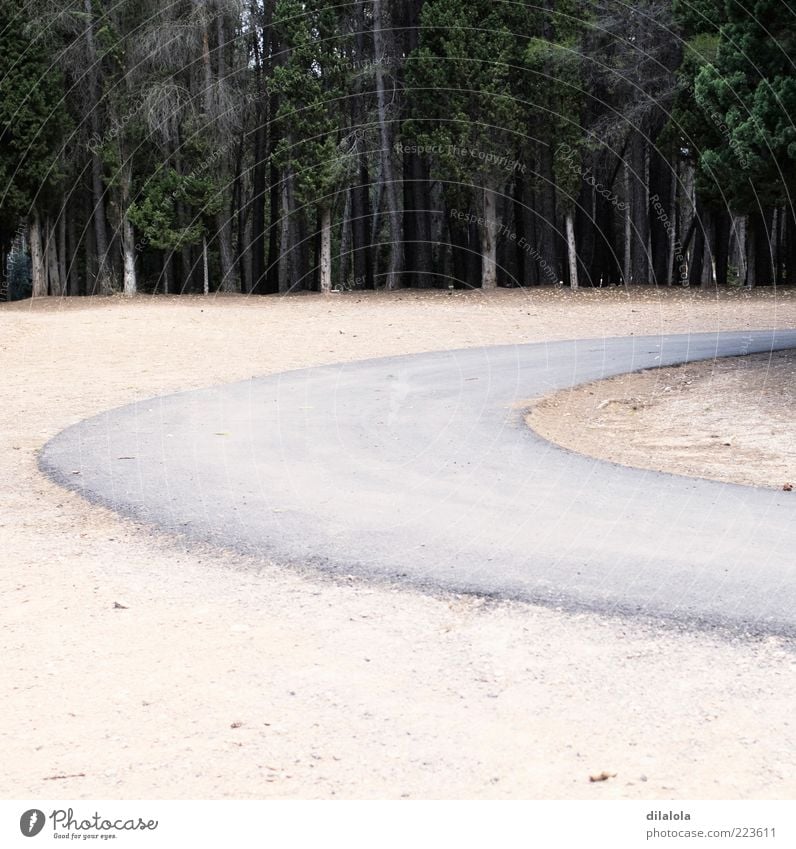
column 726, row 419
column 137, row 667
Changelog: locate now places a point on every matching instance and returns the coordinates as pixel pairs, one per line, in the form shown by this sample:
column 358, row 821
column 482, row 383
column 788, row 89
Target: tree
column 32, row 125
column 749, row 91
column 310, row 84
column 469, row 53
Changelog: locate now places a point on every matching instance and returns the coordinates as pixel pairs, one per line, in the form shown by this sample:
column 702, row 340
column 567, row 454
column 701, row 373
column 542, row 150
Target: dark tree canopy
column 264, row 146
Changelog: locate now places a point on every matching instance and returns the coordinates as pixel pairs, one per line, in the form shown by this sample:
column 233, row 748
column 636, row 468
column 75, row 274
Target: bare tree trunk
column 751, row 255
column 546, row 224
column 230, row 281
column 375, row 226
column 62, row 250
column 274, row 253
column 417, row 187
column 326, row 250
column 257, row 248
column 688, row 215
column 771, row 234
column 73, row 281
column 168, row 272
column 104, row 281
column 205, row 267
column 489, row 241
column 626, row 270
column 89, row 257
column 38, row 270
column 388, row 176
column 360, row 227
column 640, row 260
column 284, row 262
column 128, row 254
column 708, row 269
column 51, row 253
column 239, row 205
column 673, row 225
column 739, row 230
column 345, row 243
column 128, row 234
column 572, row 251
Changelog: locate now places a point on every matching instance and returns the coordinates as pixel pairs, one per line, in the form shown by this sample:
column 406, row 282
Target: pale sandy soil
column 727, row 419
column 228, row 678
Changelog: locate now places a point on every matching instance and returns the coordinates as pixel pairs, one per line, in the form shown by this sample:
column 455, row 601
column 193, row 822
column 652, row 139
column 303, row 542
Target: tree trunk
column 239, row 206
column 386, row 133
column 688, row 216
column 38, row 270
column 230, row 281
column 708, row 275
column 345, row 244
column 325, row 283
column 520, row 254
column 626, row 267
column 104, row 280
column 168, row 272
column 790, row 244
column 698, row 251
column 284, row 263
column 73, row 242
column 489, row 241
column 205, row 267
column 572, row 251
column 674, row 222
column 62, row 250
column 546, row 223
column 128, row 252
column 640, row 262
column 292, row 264
column 128, row 234
column 274, row 254
column 721, row 238
column 751, row 251
column 55, row 285
column 739, row 227
column 375, row 227
column 259, row 189
column 360, row 227
column 89, row 256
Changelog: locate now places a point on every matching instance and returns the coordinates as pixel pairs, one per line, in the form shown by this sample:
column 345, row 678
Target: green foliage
column 311, row 85
column 32, row 120
column 748, row 91
column 462, row 95
column 154, row 212
column 557, row 66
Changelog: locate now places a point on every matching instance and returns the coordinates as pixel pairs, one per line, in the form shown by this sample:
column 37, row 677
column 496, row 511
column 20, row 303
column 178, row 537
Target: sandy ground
column 728, row 419
column 220, row 677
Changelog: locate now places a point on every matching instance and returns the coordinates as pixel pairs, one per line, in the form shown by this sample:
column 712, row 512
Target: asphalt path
column 421, row 469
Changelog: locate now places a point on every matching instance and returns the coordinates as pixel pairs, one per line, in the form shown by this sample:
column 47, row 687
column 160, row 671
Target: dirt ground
column 217, row 677
column 727, row 419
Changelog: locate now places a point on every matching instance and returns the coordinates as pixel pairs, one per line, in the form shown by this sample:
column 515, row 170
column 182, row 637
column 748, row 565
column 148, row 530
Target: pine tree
column 32, row 126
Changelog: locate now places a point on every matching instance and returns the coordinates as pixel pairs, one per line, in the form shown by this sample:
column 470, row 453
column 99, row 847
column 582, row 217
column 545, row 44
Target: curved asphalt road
column 421, row 468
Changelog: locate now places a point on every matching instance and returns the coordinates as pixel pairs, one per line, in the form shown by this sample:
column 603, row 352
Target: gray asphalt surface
column 420, row 468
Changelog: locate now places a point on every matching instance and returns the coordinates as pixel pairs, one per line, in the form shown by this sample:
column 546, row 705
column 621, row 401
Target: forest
column 273, row 146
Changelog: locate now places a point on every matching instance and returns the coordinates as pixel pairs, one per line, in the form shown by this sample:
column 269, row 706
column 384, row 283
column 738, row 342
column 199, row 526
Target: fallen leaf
column 603, row 776
column 787, row 487
column 117, row 606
